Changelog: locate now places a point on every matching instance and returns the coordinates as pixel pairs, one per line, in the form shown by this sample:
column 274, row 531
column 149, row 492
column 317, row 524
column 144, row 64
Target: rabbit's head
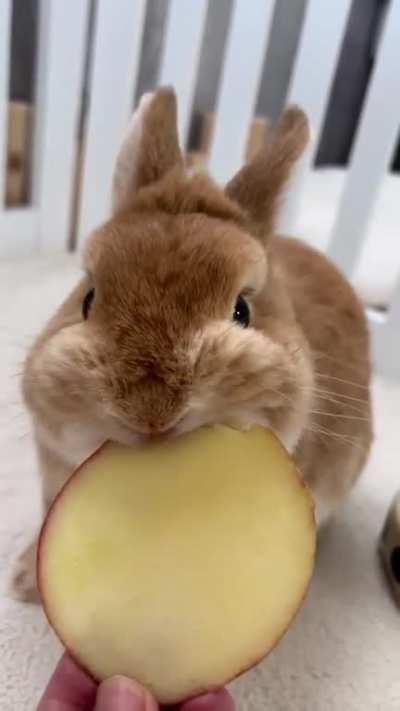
column 183, row 316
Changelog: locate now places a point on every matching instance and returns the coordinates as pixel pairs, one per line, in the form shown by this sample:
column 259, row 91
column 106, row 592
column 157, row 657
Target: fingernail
column 120, row 694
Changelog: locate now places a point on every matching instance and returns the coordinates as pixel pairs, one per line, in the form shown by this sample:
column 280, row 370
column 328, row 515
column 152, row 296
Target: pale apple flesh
column 178, row 563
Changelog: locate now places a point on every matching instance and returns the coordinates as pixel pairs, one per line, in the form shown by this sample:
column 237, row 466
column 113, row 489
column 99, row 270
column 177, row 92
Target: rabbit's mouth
column 154, row 436
column 119, row 430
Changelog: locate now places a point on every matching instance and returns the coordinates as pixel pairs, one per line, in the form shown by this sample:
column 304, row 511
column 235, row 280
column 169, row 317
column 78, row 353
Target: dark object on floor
column 390, row 547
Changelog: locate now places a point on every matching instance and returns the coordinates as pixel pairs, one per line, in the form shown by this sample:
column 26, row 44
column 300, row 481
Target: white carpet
column 342, row 653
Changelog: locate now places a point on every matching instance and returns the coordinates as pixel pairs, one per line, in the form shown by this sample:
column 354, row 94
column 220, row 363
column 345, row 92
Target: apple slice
column 179, row 563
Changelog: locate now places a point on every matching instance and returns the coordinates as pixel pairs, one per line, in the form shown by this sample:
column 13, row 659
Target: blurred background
column 356, row 59
column 71, row 73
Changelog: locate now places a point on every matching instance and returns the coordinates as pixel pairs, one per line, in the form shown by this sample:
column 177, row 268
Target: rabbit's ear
column 150, row 148
column 258, row 185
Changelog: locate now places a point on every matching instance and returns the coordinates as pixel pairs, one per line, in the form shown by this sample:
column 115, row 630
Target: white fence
column 115, row 50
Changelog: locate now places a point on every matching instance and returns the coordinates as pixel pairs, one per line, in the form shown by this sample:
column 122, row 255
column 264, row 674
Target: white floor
column 342, row 653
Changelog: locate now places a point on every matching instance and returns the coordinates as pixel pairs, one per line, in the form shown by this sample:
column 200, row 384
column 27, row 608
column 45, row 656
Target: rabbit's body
column 155, row 339
column 333, row 449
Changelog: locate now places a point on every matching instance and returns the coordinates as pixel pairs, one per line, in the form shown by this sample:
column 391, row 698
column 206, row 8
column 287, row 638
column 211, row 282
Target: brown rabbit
column 193, row 311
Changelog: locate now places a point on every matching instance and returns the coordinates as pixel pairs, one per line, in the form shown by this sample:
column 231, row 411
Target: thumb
column 122, row 694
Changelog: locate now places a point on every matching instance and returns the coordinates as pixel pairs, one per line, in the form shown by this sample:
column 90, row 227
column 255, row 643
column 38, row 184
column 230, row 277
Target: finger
column 69, row 689
column 122, row 694
column 218, row 701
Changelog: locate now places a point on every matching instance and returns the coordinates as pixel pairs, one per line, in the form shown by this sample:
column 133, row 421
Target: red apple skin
column 75, row 656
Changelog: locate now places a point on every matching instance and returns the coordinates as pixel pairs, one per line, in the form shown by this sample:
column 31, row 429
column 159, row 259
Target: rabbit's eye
column 241, row 313
column 86, row 303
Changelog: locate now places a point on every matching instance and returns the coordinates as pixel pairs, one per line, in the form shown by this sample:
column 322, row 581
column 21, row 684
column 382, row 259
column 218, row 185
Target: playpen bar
column 243, row 64
column 5, row 34
column 394, row 316
column 116, row 53
column 181, row 55
column 393, row 326
column 385, row 339
column 313, row 72
column 374, row 145
column 61, row 55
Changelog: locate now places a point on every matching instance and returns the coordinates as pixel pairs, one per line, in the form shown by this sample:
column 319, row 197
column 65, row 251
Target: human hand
column 70, row 689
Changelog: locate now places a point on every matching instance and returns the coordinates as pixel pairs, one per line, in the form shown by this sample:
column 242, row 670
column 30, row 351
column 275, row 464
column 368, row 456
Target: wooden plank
column 117, row 41
column 313, row 73
column 18, row 229
column 373, row 148
column 5, row 33
column 18, row 154
column 243, row 64
column 180, row 60
column 61, row 54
